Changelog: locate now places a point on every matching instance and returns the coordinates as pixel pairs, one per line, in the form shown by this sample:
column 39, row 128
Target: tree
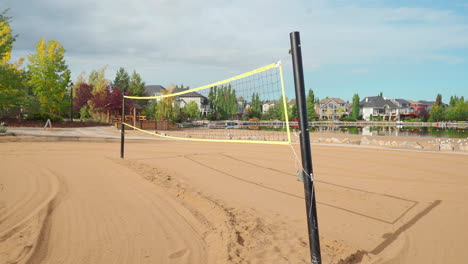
column 256, row 106
column 6, row 37
column 340, row 111
column 12, row 88
column 136, row 86
column 98, row 80
column 49, row 75
column 310, row 102
column 114, row 100
column 438, row 100
column 294, row 111
column 459, row 111
column 122, row 80
column 82, row 95
column 150, row 110
column 164, row 107
column 191, row 110
column 12, row 79
column 355, row 107
column 437, row 111
column 223, row 102
column 453, row 100
column 329, row 113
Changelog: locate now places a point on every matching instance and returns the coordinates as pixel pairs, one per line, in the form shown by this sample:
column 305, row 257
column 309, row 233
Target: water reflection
column 395, row 131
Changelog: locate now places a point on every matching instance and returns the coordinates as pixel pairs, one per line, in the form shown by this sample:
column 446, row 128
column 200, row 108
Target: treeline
column 39, row 89
column 457, row 110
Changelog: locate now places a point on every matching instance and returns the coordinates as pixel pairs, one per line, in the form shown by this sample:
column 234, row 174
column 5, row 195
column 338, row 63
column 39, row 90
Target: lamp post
column 71, row 102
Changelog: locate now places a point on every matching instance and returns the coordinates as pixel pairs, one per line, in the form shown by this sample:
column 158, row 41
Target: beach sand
column 191, row 202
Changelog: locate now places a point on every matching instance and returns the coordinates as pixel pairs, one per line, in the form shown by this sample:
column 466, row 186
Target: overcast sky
column 406, row 49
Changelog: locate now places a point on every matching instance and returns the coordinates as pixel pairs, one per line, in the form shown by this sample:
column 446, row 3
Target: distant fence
column 399, row 123
column 166, row 125
column 150, row 125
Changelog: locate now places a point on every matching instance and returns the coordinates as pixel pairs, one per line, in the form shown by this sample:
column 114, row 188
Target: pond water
column 396, row 131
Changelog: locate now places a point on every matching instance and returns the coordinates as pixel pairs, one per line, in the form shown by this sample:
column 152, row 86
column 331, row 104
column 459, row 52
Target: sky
column 411, row 49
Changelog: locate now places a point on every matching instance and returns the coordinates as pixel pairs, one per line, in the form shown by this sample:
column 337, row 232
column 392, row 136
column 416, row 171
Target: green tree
column 12, row 88
column 149, row 110
column 355, row 107
column 438, row 100
column 256, row 106
column 437, row 111
column 122, row 80
column 294, row 111
column 49, row 75
column 137, row 86
column 191, row 110
column 176, row 113
column 453, row 100
column 457, row 112
column 310, row 102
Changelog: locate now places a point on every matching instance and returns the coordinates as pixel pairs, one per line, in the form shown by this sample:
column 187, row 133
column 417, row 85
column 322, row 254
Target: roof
column 402, row 101
column 377, row 102
column 336, row 100
column 189, row 94
column 292, row 102
column 416, row 103
column 428, row 103
column 153, row 89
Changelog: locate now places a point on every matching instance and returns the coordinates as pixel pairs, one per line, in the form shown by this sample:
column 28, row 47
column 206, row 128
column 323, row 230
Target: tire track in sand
column 105, row 216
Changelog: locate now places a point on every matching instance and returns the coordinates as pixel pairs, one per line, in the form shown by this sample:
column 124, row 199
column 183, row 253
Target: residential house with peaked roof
column 266, row 106
column 332, row 108
column 200, row 100
column 373, row 107
column 420, row 108
column 404, row 108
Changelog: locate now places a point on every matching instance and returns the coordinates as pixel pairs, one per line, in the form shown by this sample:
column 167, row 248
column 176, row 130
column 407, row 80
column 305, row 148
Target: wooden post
column 134, row 117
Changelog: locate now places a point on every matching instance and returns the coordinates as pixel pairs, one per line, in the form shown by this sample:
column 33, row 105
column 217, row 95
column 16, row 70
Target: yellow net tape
column 213, row 140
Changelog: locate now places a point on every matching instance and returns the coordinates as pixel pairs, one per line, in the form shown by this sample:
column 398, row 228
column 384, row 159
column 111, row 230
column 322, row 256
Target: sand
column 180, row 202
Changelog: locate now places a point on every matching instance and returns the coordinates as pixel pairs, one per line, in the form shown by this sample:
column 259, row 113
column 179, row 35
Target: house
column 241, row 105
column 420, row 108
column 183, row 99
column 266, row 106
column 404, row 108
column 373, row 107
column 154, row 90
column 186, row 98
column 331, row 108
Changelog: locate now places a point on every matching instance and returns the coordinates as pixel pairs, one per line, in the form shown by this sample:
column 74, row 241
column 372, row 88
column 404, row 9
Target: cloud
column 201, row 41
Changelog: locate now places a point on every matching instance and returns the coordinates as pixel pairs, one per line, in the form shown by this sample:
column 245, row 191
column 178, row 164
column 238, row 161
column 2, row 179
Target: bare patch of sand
column 180, row 202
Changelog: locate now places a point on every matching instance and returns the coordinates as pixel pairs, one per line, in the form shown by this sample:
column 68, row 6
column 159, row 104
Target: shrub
column 349, row 119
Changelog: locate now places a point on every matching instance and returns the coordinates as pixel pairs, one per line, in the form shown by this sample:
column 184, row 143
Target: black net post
column 122, row 129
column 311, row 209
column 71, row 102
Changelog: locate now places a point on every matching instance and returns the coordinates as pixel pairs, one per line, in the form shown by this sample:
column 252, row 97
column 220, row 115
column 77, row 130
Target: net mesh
column 247, row 108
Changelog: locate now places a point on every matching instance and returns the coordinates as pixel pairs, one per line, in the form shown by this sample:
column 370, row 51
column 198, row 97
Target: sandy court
column 179, row 202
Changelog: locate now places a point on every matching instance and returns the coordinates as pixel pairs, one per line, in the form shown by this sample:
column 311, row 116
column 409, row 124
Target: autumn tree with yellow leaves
column 12, row 88
column 49, row 75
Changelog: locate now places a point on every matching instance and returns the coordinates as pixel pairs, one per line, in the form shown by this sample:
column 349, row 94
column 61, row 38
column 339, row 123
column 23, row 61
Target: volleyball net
column 248, row 108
